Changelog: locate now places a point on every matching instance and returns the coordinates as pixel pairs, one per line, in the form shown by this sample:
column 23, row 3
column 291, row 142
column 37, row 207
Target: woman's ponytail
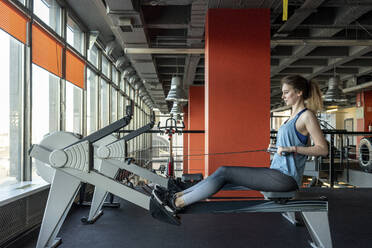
column 310, row 91
column 314, row 101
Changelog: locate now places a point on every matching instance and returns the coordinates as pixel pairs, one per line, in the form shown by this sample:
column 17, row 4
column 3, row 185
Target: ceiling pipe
column 358, row 87
column 320, row 42
column 163, row 51
column 289, row 42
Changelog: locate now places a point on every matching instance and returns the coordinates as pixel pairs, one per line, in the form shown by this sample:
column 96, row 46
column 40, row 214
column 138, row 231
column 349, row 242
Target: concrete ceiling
column 316, row 41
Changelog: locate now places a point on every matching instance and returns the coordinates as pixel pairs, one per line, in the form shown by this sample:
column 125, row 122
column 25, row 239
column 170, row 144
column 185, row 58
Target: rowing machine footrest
column 279, row 197
column 192, row 177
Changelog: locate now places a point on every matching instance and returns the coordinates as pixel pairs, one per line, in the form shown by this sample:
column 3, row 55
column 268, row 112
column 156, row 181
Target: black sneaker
column 167, row 197
column 159, row 188
column 172, row 203
column 160, row 210
column 173, row 186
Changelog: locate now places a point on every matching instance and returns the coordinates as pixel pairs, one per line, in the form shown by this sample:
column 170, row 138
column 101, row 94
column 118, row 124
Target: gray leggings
column 256, row 178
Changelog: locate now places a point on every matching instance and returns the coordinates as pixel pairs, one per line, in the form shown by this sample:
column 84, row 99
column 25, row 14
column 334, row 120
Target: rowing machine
column 71, row 166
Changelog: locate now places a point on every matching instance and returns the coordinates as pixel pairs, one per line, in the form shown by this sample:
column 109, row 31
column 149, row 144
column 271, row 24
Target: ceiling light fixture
column 334, row 94
column 176, row 93
column 176, row 109
column 332, row 110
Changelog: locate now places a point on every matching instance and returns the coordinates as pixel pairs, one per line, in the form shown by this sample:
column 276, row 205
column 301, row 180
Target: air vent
column 125, row 24
column 21, row 215
column 126, row 29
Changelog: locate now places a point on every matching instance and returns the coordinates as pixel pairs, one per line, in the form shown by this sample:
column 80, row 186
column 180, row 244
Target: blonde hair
column 310, row 91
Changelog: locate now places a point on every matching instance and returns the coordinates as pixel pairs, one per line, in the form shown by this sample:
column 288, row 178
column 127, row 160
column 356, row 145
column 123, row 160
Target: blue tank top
column 293, row 164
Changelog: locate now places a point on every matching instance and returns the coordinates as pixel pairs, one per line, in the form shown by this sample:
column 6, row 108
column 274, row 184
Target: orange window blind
column 46, row 51
column 13, row 21
column 74, row 69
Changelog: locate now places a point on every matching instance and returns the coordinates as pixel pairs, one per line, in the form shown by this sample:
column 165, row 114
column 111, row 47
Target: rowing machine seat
column 279, row 197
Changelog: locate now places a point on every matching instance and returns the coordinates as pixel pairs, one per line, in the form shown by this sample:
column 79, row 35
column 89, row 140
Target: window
column 45, row 107
column 93, row 56
column 105, row 66
column 11, row 71
column 104, row 105
column 114, row 97
column 120, row 106
column 92, row 96
column 127, row 88
column 115, row 74
column 136, row 123
column 49, row 12
column 122, row 84
column 74, row 35
column 131, row 94
column 74, row 108
column 125, row 104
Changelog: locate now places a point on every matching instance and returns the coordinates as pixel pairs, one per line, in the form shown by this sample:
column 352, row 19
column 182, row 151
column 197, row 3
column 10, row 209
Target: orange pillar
column 367, row 104
column 237, row 87
column 185, row 141
column 364, row 100
column 196, row 122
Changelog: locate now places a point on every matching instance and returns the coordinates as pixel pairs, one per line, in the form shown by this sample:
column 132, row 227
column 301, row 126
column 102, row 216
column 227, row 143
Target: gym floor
column 350, row 216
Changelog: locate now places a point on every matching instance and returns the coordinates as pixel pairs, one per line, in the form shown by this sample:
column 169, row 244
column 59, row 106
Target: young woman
column 285, row 172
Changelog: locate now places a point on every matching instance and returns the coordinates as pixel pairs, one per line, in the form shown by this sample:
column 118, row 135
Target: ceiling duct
column 142, row 92
column 138, row 85
column 150, row 104
column 128, row 72
column 93, row 36
column 121, row 63
column 132, row 80
column 144, row 97
column 176, row 93
column 126, row 21
column 147, row 98
column 136, row 82
column 334, row 93
column 110, row 47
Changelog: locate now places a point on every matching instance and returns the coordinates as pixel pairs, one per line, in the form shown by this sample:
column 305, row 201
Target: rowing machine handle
column 274, row 149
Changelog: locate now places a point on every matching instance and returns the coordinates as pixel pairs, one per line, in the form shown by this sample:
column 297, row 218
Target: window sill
column 19, row 190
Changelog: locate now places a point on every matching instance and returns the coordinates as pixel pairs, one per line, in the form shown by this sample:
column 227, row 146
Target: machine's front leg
column 62, row 193
column 100, row 194
column 291, row 217
column 318, row 227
